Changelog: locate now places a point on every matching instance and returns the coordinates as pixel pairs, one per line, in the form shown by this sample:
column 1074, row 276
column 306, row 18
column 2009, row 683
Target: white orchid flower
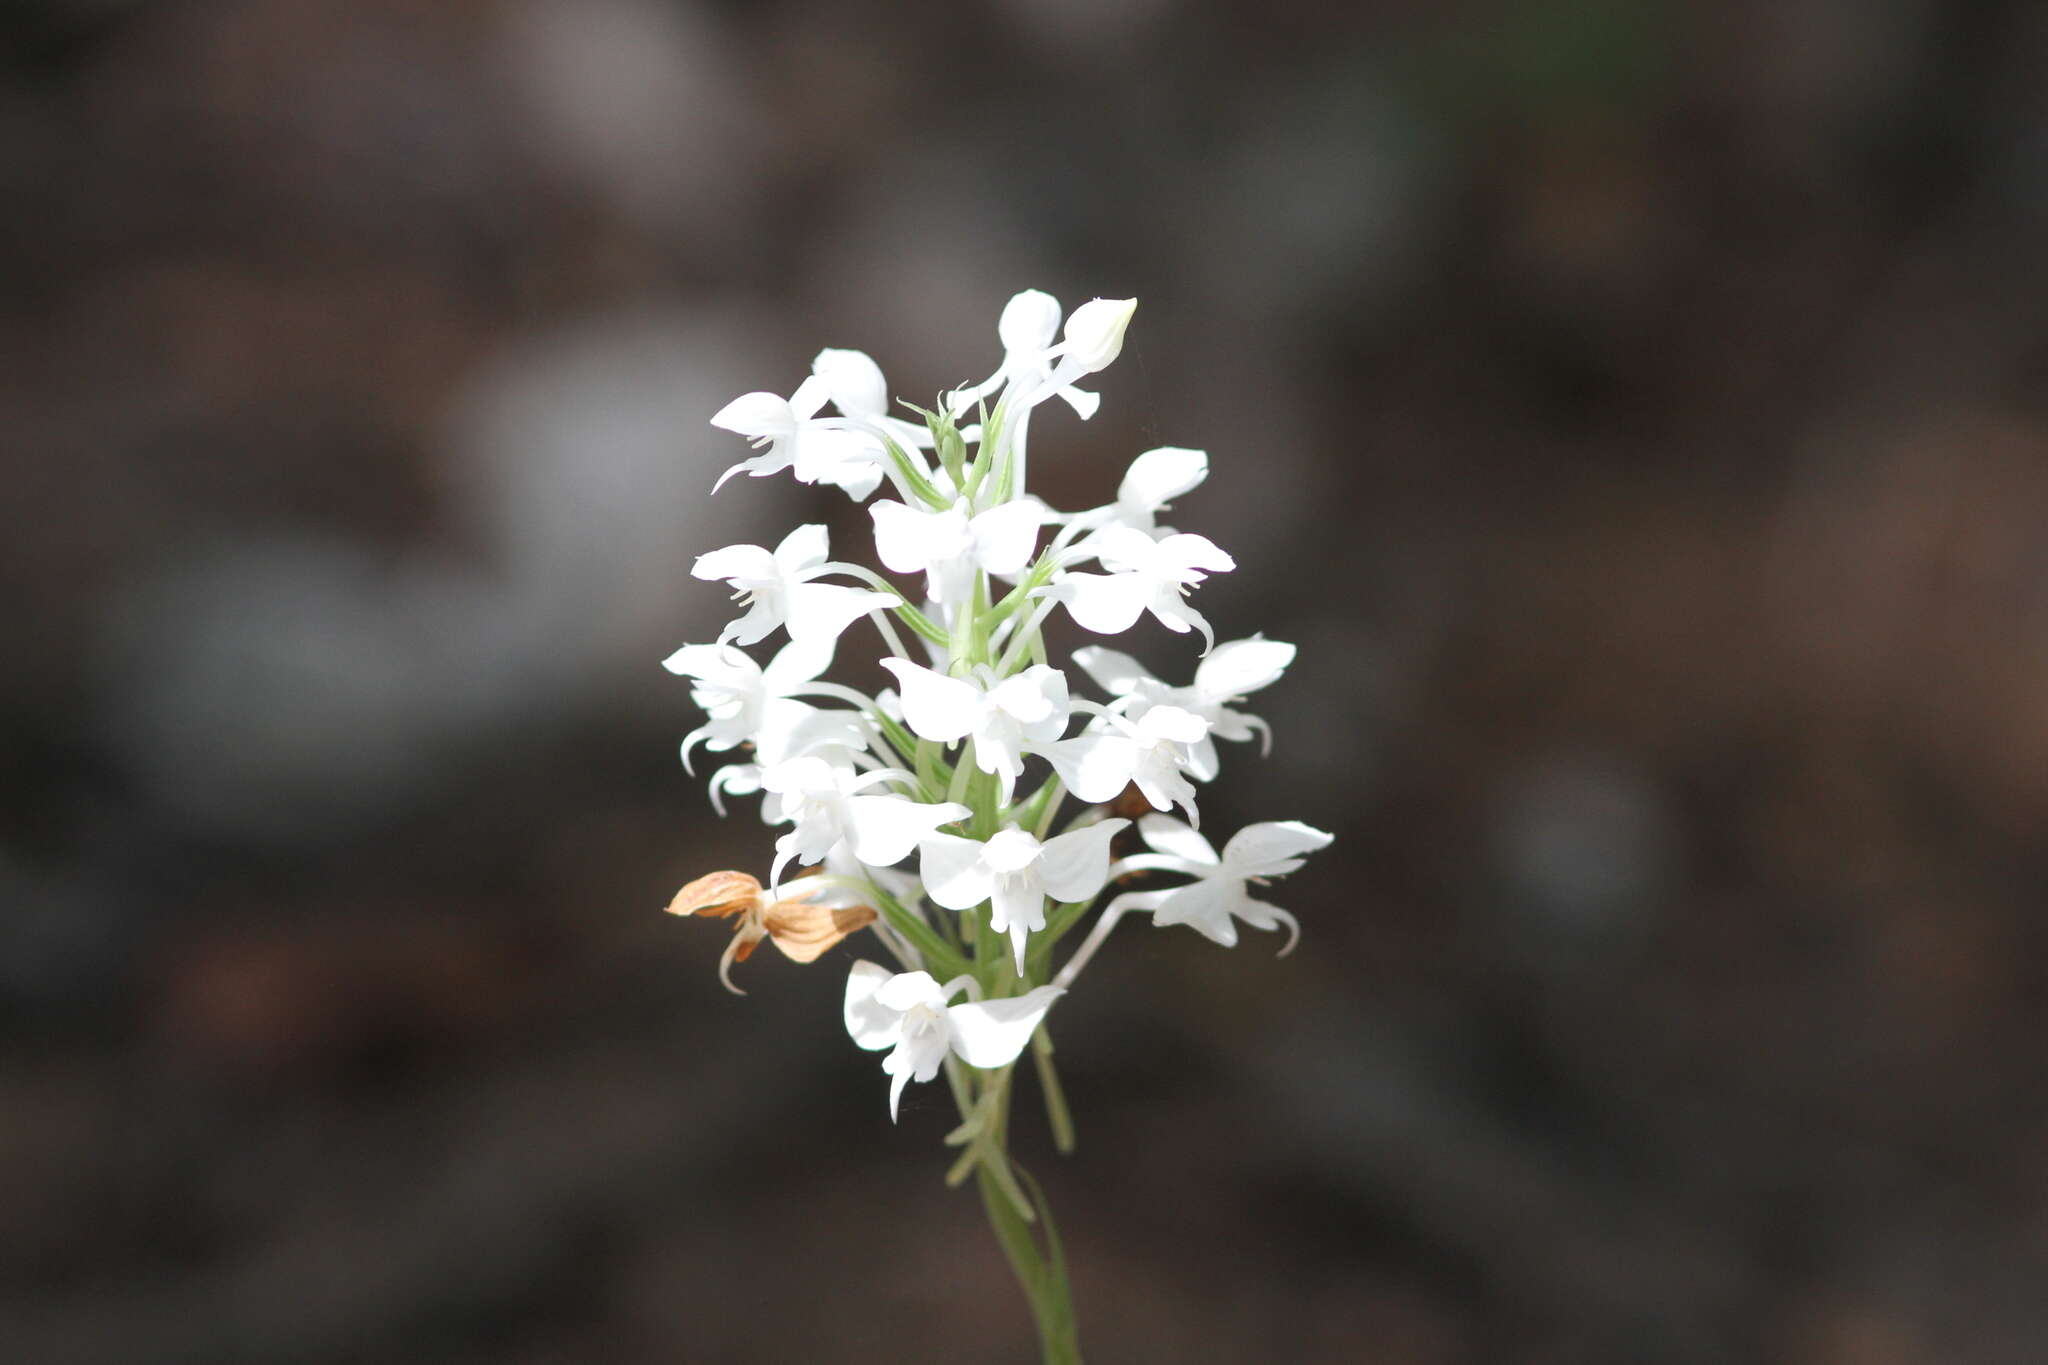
column 909, row 1014
column 817, row 449
column 1226, row 675
column 742, row 700
column 1027, row 327
column 777, row 590
column 1005, row 717
column 948, row 547
column 827, row 803
column 1014, row 873
column 1219, row 895
column 860, row 392
column 1154, row 751
column 1145, row 575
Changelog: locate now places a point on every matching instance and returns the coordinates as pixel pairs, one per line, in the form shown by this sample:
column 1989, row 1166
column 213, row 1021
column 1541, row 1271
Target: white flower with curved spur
column 1226, row 675
column 827, row 803
column 818, row 449
column 909, row 1014
column 801, row 924
column 1144, row 575
column 742, row 700
column 1014, row 873
column 777, row 590
column 1005, row 717
column 1154, row 751
column 860, row 392
column 1027, row 327
column 1219, row 895
column 947, row 547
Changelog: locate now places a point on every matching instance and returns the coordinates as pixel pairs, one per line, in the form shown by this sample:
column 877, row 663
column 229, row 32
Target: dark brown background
column 1635, row 412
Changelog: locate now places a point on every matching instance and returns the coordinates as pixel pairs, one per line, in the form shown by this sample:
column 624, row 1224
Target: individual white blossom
column 776, row 588
column 793, row 437
column 1220, row 895
column 1153, row 751
column 1027, row 328
column 1005, row 717
column 1227, row 674
column 742, row 700
column 1014, row 873
column 1144, row 575
column 827, row 803
column 947, row 547
column 910, row 1014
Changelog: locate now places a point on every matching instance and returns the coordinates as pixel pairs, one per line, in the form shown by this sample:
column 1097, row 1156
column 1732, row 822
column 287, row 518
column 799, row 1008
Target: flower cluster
column 936, row 814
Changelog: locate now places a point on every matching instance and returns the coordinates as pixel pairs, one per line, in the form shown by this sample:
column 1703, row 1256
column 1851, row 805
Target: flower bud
column 1095, row 332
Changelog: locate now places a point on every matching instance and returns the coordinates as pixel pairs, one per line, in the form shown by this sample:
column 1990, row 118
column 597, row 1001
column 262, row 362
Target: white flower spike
column 951, row 815
column 909, row 1013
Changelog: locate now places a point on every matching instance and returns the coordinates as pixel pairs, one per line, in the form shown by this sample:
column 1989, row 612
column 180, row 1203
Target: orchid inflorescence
column 968, row 762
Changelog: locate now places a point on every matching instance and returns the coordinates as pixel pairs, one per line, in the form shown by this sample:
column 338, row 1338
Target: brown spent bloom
column 802, row 931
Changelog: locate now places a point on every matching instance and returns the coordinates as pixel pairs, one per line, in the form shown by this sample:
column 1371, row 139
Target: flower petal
column 886, row 828
column 1075, row 866
column 756, row 415
column 1096, row 767
column 1115, row 673
column 1029, row 322
column 1108, row 604
column 796, row 663
column 739, row 562
column 992, row 1032
column 1203, row 906
column 1195, row 552
column 804, row 548
column 872, row 1024
column 905, row 990
column 935, row 706
column 952, row 872
column 821, row 612
column 805, row 932
column 1240, row 666
column 854, row 380
column 718, row 894
column 1164, row 834
column 1159, row 476
column 1005, row 536
column 1273, row 848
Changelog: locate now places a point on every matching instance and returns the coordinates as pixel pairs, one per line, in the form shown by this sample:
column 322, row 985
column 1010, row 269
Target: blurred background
column 1635, row 412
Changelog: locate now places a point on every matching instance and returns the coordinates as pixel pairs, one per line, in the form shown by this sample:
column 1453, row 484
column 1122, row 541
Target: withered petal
column 717, row 894
column 804, row 932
